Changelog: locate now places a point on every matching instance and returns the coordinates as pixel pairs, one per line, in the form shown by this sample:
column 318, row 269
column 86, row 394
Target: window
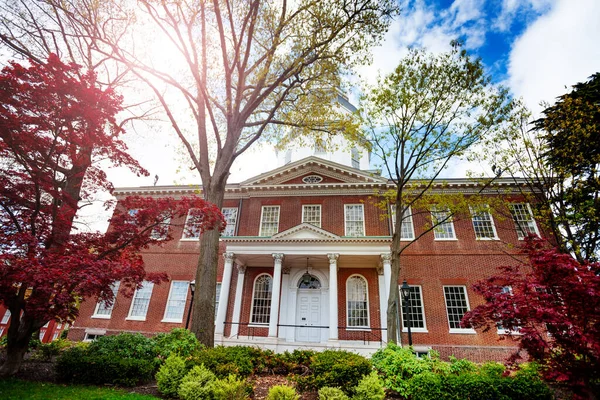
column 355, row 220
column 501, row 331
column 355, row 155
column 312, row 179
column 311, row 214
column 457, row 305
column 483, row 224
column 6, row 317
column 42, row 334
column 443, row 230
column 269, row 221
column 1, row 331
column 161, row 230
column 261, row 300
column 55, row 335
column 176, row 302
column 217, row 298
column 104, row 310
column 230, row 214
column 407, row 231
column 523, row 217
column 89, row 337
column 357, row 302
column 140, row 302
column 131, row 216
column 415, row 310
column 191, row 230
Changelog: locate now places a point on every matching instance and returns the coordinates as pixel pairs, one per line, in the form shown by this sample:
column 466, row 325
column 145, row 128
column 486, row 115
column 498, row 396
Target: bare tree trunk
column 393, row 299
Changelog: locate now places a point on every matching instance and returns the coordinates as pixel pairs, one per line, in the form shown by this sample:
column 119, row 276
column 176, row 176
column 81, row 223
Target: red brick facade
column 429, row 263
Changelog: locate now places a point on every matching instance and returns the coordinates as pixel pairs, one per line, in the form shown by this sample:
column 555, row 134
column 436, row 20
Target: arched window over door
column 309, row 281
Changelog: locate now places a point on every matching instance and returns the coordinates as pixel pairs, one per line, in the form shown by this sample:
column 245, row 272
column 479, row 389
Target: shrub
column 125, row 345
column 179, row 341
column 369, row 388
column 461, row 366
column 232, row 388
column 425, row 386
column 237, row 360
column 282, row 392
column 398, row 365
column 78, row 365
column 46, row 351
column 336, row 369
column 170, row 374
column 492, row 369
column 198, row 384
column 331, row 393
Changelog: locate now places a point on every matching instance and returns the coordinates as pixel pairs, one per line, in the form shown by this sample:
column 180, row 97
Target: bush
column 369, row 388
column 461, row 366
column 282, row 392
column 398, row 365
column 237, row 360
column 425, row 386
column 125, row 345
column 331, row 393
column 198, row 384
column 336, row 369
column 492, row 369
column 77, row 365
column 179, row 341
column 231, row 388
column 170, row 374
column 46, row 351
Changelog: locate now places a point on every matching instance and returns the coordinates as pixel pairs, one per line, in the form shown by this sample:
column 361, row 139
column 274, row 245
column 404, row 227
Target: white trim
column 115, row 288
column 175, row 320
column 250, row 323
column 457, row 330
column 6, row 317
column 140, row 318
column 487, row 210
column 236, row 219
column 409, row 218
column 362, row 207
column 528, row 206
column 262, row 213
column 413, row 329
column 184, row 236
column 320, row 215
column 467, row 331
column 450, row 221
column 165, row 221
column 365, row 327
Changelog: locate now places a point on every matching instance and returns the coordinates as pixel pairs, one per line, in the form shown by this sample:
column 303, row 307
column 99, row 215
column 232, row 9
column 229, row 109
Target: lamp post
column 192, row 288
column 406, row 298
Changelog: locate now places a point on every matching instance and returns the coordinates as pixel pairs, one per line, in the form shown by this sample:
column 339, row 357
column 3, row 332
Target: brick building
column 306, row 264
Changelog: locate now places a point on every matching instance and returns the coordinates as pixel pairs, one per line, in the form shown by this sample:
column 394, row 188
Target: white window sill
column 415, row 330
column 446, row 240
column 135, row 319
column 487, row 239
column 172, row 321
column 189, row 239
column 358, row 329
column 258, row 325
column 510, row 333
column 463, row 331
column 100, row 316
column 406, row 239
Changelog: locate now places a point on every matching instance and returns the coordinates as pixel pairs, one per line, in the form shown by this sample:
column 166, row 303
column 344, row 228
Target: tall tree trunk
column 393, row 310
column 203, row 313
column 19, row 334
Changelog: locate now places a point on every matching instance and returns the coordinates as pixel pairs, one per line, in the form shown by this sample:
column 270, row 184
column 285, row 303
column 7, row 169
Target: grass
column 16, row 389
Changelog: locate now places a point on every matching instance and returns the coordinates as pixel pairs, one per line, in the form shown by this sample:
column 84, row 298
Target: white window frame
column 55, row 335
column 520, row 233
column 362, row 208
column 231, row 222
column 133, row 299
column 156, row 234
column 132, row 212
column 6, row 317
column 115, row 288
column 184, row 234
column 217, row 299
column 406, row 220
column 169, row 300
column 262, row 324
column 355, row 157
column 450, row 222
column 457, row 330
column 412, row 328
column 88, row 336
column 358, row 327
column 305, row 207
column 485, row 208
column 262, row 215
column 500, row 329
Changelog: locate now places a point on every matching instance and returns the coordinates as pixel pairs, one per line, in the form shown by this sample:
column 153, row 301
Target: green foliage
column 424, row 386
column 46, row 351
column 170, row 374
column 232, row 388
column 369, row 388
column 125, row 345
column 198, row 384
column 336, row 369
column 179, row 341
column 238, row 360
column 492, row 369
column 282, row 392
column 81, row 366
column 331, row 393
column 461, row 366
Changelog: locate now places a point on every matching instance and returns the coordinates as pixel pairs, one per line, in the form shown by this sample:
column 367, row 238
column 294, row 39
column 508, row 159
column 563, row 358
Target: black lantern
column 306, row 278
column 405, row 289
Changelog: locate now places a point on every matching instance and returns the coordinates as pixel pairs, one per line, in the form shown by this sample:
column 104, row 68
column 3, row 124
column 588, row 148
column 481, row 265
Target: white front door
column 308, row 313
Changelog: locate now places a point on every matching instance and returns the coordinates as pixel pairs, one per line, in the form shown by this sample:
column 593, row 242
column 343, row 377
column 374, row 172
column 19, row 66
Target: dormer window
column 312, row 179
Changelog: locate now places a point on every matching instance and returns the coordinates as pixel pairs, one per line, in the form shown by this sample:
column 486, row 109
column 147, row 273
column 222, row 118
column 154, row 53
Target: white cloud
column 559, row 49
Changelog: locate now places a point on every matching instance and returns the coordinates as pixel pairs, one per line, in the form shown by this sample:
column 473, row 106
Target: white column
column 237, row 304
column 382, row 302
column 284, row 311
column 384, row 292
column 333, row 296
column 275, row 295
column 224, row 296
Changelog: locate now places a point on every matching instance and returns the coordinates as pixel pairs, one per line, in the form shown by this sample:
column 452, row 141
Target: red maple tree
column 56, row 124
column 550, row 305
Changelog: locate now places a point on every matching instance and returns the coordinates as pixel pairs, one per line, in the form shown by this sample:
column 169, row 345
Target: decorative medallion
column 312, row 179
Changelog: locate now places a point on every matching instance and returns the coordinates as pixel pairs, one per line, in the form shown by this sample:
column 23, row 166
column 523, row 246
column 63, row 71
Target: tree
column 429, row 111
column 245, row 69
column 552, row 308
column 55, row 126
column 558, row 155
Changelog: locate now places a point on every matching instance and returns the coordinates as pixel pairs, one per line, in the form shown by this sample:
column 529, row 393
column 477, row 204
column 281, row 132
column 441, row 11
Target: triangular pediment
column 329, row 171
column 305, row 232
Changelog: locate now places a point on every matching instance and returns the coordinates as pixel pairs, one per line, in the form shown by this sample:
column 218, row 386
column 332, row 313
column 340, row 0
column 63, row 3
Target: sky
column 536, row 48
